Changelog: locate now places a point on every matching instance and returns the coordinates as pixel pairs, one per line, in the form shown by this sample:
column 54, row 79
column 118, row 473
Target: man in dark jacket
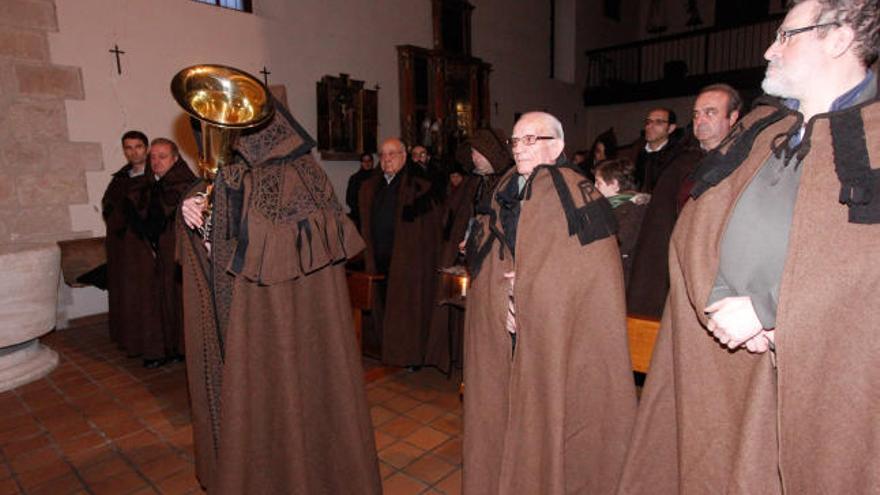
column 354, row 186
column 716, row 109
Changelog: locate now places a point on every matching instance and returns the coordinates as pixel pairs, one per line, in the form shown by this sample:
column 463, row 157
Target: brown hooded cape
column 648, row 281
column 456, row 212
column 460, row 207
column 554, row 416
column 404, row 315
column 156, row 202
column 278, row 397
column 715, row 421
column 131, row 283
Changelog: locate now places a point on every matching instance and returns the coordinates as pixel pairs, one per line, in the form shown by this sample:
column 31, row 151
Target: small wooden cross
column 265, row 72
column 117, row 52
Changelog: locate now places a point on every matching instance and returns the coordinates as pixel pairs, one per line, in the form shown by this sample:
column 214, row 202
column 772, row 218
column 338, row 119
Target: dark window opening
column 739, row 12
column 611, row 9
column 242, row 5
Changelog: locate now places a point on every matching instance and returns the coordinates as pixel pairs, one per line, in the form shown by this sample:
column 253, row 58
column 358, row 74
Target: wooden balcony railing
column 678, row 64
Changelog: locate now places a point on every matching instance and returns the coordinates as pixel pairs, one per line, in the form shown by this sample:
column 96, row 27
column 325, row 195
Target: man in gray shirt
column 753, row 249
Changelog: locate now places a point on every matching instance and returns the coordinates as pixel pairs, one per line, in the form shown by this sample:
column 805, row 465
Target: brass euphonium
column 224, row 100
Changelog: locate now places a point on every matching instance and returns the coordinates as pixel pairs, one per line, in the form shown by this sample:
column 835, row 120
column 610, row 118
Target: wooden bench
column 361, row 291
column 642, row 333
column 79, row 256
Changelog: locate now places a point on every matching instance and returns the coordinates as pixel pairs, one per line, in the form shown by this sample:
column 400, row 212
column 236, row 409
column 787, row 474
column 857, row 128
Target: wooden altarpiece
column 444, row 91
column 347, row 118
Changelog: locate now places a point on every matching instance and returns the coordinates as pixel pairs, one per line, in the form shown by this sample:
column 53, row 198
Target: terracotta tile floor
column 102, row 424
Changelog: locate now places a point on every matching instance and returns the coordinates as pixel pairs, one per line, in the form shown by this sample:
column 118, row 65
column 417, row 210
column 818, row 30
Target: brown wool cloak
column 714, row 421
column 130, row 263
column 277, row 387
column 555, row 416
column 648, row 281
column 456, row 212
column 406, row 312
column 156, row 203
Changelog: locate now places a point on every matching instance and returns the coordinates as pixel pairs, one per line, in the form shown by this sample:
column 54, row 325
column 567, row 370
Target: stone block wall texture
column 42, row 173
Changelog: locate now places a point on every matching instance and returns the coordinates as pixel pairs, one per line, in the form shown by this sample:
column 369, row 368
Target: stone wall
column 41, row 171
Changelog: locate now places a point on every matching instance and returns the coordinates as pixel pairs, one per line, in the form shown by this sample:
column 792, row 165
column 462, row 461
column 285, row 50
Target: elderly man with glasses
column 549, row 396
column 400, row 222
column 764, row 376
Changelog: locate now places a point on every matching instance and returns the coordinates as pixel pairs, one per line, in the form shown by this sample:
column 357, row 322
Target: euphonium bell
column 225, row 101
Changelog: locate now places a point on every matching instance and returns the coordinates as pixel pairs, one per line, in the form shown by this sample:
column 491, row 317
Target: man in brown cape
column 156, row 202
column 777, row 260
column 716, row 109
column 486, row 156
column 130, row 280
column 400, row 222
column 276, row 382
column 549, row 394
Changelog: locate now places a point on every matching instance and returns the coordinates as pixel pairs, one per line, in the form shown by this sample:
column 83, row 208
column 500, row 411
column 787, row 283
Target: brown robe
column 277, row 387
column 156, row 203
column 130, row 264
column 404, row 316
column 456, row 213
column 554, row 416
column 648, row 281
column 715, row 421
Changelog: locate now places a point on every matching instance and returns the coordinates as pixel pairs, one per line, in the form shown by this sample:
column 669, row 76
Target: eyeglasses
column 656, row 121
column 783, row 35
column 526, row 140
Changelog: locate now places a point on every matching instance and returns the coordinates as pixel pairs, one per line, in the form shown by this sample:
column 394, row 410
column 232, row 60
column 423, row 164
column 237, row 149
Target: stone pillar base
column 24, row 363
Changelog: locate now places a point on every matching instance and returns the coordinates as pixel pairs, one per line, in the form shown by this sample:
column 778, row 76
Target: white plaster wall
column 515, row 39
column 162, row 36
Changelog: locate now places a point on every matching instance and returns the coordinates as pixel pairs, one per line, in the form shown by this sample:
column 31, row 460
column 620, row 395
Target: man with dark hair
column 354, row 185
column 764, row 376
column 734, row 100
column 716, row 109
column 549, row 396
column 129, row 255
column 155, row 202
column 659, row 146
column 435, row 170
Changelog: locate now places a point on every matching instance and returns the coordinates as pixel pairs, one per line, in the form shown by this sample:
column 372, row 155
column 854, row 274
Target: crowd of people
column 750, row 234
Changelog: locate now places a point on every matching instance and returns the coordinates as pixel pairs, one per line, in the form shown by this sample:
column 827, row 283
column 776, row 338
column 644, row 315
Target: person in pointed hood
column 275, row 376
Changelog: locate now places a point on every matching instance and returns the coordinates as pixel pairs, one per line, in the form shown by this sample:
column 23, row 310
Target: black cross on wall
column 116, row 51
